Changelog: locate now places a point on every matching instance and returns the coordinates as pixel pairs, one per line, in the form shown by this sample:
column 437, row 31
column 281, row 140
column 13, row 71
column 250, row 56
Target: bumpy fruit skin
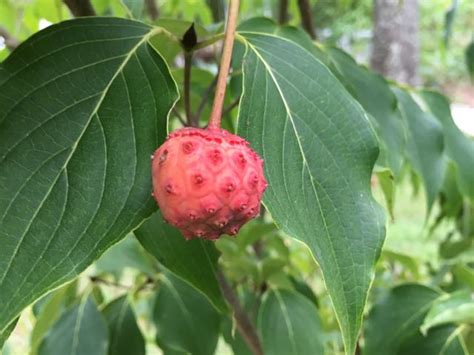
column 207, row 182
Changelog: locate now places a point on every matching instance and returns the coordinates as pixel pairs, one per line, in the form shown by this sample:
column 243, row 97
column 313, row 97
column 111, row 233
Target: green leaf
column 289, row 325
column 464, row 274
column 364, row 85
column 439, row 341
column 449, row 17
column 125, row 336
column 195, row 261
column 408, row 262
column 457, row 307
column 459, row 147
column 425, row 144
column 319, row 151
column 80, row 331
column 469, row 54
column 4, row 335
column 396, row 317
column 386, row 180
column 50, row 313
column 134, row 7
column 184, row 318
column 83, row 105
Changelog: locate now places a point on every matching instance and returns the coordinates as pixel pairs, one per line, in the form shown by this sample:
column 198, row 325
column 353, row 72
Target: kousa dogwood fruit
column 207, row 182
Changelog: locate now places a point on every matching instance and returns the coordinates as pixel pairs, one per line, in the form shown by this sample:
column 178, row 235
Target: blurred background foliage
column 446, row 28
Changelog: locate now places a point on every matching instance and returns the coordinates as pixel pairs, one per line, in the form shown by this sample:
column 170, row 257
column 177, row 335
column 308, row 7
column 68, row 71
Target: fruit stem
column 216, row 113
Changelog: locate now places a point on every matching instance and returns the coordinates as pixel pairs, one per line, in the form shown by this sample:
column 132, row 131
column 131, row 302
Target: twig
column 307, row 17
column 152, row 9
column 283, row 12
column 216, row 113
column 179, row 117
column 243, row 323
column 10, row 42
column 231, row 106
column 188, row 57
column 97, row 279
column 80, row 8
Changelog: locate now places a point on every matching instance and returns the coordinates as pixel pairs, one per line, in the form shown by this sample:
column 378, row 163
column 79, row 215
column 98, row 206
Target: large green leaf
column 457, row 307
column 459, row 147
column 397, row 317
column 125, row 336
column 289, row 325
column 365, row 86
column 83, row 104
column 425, row 144
column 319, row 151
column 80, row 331
column 195, row 261
column 184, row 318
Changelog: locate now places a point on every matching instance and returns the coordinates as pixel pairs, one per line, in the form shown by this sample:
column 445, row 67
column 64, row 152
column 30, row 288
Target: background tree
column 395, row 44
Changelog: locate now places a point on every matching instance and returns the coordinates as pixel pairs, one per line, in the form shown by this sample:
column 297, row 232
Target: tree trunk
column 395, row 46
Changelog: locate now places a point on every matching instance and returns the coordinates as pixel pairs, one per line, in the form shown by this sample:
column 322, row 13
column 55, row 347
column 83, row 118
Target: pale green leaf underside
column 83, row 104
column 457, row 307
column 319, row 151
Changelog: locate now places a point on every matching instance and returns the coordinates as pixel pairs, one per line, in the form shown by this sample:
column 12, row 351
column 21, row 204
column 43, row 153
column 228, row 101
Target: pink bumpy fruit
column 207, row 182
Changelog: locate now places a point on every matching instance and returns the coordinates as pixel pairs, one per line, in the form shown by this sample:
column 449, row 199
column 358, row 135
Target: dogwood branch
column 242, row 321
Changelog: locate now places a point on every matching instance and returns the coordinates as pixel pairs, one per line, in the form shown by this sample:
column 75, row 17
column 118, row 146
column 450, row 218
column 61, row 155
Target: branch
column 243, row 323
column 152, row 9
column 80, row 8
column 216, row 113
column 231, row 106
column 179, row 117
column 307, row 17
column 283, row 12
column 203, row 102
column 10, row 42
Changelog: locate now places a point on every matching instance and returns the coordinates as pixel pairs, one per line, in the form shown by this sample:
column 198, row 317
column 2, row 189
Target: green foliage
column 125, row 337
column 70, row 182
column 85, row 102
column 81, row 330
column 185, row 320
column 282, row 97
column 167, row 245
column 289, row 324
